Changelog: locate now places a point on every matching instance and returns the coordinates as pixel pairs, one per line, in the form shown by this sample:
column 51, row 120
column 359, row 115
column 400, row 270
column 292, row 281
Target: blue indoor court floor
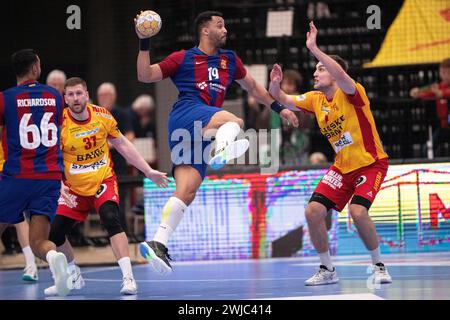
column 420, row 276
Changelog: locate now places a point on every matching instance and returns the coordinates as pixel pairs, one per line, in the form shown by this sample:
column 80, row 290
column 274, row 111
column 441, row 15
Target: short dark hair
column 340, row 61
column 293, row 76
column 22, row 61
column 203, row 18
column 71, row 82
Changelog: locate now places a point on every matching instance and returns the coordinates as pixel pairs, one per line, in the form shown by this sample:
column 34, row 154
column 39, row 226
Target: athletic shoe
column 63, row 282
column 381, row 274
column 77, row 281
column 232, row 151
column 323, row 276
column 157, row 254
column 30, row 273
column 129, row 286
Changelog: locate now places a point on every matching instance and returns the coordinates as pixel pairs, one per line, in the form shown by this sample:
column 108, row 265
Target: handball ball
column 148, row 23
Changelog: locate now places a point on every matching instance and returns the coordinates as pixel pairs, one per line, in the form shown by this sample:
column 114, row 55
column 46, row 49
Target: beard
column 79, row 108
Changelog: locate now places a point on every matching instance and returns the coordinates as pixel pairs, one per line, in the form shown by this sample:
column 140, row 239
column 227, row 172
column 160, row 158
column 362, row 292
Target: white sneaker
column 58, row 265
column 77, row 281
column 30, row 273
column 322, row 276
column 381, row 275
column 129, row 286
column 232, row 151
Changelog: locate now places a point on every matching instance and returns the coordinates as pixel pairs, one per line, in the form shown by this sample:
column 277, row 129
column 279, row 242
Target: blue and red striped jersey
column 31, row 114
column 201, row 77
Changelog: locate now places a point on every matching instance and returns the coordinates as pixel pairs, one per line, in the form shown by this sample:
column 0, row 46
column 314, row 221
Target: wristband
column 277, row 107
column 144, row 44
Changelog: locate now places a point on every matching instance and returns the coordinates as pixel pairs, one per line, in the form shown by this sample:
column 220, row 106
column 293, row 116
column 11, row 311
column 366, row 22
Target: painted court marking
column 354, row 296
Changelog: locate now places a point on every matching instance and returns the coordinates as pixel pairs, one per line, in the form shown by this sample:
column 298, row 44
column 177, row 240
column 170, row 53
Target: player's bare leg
column 187, row 180
column 228, row 127
column 30, row 272
column 315, row 215
column 368, row 234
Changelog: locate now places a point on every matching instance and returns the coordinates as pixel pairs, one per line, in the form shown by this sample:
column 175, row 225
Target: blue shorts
column 187, row 146
column 33, row 196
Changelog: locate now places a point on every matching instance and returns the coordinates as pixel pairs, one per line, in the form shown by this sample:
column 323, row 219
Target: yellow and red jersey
column 348, row 124
column 87, row 161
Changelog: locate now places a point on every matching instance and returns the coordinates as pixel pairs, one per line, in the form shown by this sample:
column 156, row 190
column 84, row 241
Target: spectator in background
column 441, row 92
column 56, row 79
column 295, row 142
column 318, row 159
column 107, row 98
column 143, row 108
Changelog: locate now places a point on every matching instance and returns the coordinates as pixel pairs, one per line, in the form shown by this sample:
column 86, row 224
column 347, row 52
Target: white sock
column 226, row 134
column 125, row 266
column 376, row 256
column 325, row 259
column 29, row 257
column 71, row 265
column 172, row 214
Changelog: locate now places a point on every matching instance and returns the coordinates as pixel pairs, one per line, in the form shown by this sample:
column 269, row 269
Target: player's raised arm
column 146, row 72
column 129, row 152
column 262, row 96
column 276, row 76
column 343, row 80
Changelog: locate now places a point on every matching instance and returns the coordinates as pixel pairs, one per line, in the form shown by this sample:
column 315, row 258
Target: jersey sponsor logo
column 86, row 168
column 72, row 197
column 202, row 85
column 333, row 179
column 87, row 133
column 360, row 180
column 38, row 102
column 91, row 155
column 378, row 180
column 104, row 115
column 217, row 87
column 343, row 142
column 334, row 128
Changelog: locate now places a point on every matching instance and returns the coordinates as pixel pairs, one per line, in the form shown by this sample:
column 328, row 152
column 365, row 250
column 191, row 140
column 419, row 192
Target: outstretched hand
column 159, row 178
column 276, row 75
column 64, row 191
column 290, row 117
column 311, row 36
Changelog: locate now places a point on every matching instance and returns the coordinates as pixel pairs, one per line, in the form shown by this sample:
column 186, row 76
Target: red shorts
column 108, row 191
column 364, row 182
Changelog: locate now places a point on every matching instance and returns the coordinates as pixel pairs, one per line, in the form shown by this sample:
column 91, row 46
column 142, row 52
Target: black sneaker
column 156, row 254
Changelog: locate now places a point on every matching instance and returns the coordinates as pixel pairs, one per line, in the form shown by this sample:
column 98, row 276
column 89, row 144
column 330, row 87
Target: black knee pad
column 60, row 228
column 109, row 214
column 320, row 198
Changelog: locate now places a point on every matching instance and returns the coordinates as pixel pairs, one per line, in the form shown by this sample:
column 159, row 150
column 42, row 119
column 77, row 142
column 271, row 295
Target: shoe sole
column 29, row 278
column 158, row 265
column 62, row 277
column 128, row 293
column 322, row 283
column 232, row 151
